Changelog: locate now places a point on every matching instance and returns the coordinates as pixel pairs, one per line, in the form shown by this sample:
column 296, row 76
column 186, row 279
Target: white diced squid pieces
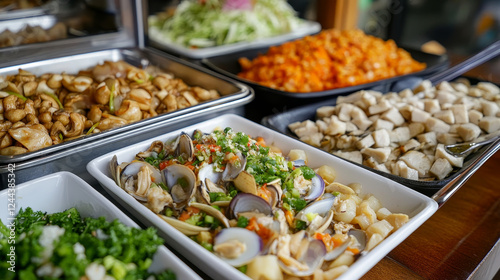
column 468, row 131
column 379, row 154
column 441, row 168
column 404, row 133
column 436, row 125
column 489, row 124
column 419, row 116
column 325, row 112
column 460, row 113
column 418, row 161
column 381, row 138
column 393, row 116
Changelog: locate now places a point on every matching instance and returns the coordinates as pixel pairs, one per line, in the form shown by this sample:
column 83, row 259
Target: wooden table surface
column 462, row 239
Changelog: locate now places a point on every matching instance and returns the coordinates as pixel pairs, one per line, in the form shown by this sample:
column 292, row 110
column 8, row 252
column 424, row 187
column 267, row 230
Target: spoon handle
column 479, row 58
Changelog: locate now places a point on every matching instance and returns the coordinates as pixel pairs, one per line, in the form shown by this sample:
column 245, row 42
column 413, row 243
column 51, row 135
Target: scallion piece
column 92, row 128
column 56, row 99
column 18, row 95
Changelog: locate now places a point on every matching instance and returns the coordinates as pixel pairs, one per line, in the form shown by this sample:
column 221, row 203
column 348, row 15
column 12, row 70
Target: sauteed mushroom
column 106, row 96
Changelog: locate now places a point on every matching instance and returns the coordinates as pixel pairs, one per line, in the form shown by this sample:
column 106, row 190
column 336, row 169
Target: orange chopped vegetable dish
column 331, row 59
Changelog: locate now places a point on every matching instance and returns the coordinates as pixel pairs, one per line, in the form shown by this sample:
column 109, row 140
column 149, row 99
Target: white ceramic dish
column 393, row 196
column 158, row 40
column 63, row 190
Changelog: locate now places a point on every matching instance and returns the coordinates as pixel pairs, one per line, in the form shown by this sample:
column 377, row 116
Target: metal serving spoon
column 463, row 149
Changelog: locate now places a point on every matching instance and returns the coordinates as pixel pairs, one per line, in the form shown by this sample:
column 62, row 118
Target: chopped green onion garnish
column 92, row 128
column 56, row 99
column 18, row 95
column 112, row 99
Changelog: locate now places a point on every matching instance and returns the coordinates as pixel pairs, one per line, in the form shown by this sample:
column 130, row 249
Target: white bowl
column 63, row 190
column 393, row 196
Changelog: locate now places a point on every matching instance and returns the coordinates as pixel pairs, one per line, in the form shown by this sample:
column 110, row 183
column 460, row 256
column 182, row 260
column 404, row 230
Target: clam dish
column 269, row 215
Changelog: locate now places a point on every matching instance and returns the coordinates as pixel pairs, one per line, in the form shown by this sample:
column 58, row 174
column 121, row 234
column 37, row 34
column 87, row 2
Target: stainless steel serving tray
column 233, row 94
column 228, row 65
column 440, row 190
column 43, row 9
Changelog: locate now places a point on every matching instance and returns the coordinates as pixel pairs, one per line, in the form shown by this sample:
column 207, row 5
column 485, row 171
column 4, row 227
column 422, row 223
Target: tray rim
column 308, row 27
column 208, row 62
column 441, row 190
column 244, row 95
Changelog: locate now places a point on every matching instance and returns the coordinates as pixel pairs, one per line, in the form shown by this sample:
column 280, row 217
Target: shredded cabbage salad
column 209, row 23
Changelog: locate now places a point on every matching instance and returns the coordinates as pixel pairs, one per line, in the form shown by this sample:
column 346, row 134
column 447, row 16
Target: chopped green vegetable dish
column 63, row 245
column 209, row 23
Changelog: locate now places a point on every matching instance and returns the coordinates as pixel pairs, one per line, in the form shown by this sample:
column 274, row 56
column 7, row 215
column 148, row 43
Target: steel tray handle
column 447, row 191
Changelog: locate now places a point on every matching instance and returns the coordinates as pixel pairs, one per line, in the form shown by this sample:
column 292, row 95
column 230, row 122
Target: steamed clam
column 235, row 197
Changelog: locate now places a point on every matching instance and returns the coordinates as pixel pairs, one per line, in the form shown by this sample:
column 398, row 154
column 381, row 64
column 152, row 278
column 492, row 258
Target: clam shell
column 185, row 228
column 232, row 171
column 173, row 173
column 245, row 182
column 253, row 244
column 313, row 258
column 245, row 202
column 317, row 188
column 212, row 212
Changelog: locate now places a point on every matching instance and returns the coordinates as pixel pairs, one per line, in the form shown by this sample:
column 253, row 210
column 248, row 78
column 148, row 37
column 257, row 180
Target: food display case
column 121, row 43
column 71, row 37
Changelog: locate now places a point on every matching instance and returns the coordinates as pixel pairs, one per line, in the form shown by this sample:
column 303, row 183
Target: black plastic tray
column 228, row 65
column 280, row 122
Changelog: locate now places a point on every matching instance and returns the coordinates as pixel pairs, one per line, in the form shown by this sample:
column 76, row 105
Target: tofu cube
column 381, row 138
column 448, row 138
column 402, row 170
column 335, row 126
column 400, row 134
column 429, row 138
column 325, row 112
column 489, row 124
column 410, row 145
column 436, row 125
column 383, row 124
column 365, row 142
column 431, row 106
column 441, row 168
column 393, row 116
column 444, row 97
column 416, row 129
column 446, row 116
column 354, row 156
column 307, row 127
column 418, row 161
column 344, row 111
column 380, row 107
column 362, row 124
column 419, row 116
column 488, row 87
column 468, row 131
column 475, row 116
column 460, row 113
column 379, row 154
column 489, row 108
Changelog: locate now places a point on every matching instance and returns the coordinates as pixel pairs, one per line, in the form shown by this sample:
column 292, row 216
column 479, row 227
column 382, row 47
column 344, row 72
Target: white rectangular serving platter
column 63, row 190
column 393, row 196
column 159, row 41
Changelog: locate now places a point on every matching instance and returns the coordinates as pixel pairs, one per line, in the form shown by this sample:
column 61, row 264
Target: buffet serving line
column 139, row 117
